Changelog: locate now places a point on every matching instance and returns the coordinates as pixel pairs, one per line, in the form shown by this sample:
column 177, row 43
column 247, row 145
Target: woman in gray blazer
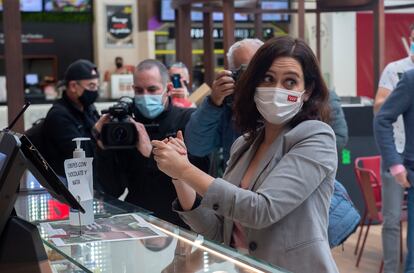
column 273, row 200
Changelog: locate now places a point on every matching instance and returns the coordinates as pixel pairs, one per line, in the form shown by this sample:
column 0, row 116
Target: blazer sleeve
column 399, row 101
column 310, row 158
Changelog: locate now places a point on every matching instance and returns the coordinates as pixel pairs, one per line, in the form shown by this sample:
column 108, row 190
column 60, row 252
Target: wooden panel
column 228, row 26
column 13, row 61
column 208, row 43
column 258, row 23
column 301, row 19
column 183, row 35
column 379, row 41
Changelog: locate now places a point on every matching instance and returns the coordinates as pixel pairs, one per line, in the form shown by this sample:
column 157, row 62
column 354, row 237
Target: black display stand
column 21, row 248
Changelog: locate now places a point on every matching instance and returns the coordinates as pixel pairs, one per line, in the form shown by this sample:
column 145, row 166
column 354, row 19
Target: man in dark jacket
column 399, row 166
column 73, row 115
column 155, row 119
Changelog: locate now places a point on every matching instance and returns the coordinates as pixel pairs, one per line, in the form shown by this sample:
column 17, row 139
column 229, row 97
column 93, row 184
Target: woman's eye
column 290, row 83
column 268, row 78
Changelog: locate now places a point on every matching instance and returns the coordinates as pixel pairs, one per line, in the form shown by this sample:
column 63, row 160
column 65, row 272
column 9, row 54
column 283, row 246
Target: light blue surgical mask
column 412, row 49
column 150, row 106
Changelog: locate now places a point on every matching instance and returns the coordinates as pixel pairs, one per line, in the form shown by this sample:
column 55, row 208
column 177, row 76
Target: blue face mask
column 150, row 106
column 412, row 49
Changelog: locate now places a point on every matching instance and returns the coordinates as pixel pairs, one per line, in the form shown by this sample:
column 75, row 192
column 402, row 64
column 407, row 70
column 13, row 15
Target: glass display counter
column 179, row 251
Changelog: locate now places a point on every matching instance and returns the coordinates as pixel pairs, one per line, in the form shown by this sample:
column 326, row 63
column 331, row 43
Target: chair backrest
column 372, row 163
column 370, row 187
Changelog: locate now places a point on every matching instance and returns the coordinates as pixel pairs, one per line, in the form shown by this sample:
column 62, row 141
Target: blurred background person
column 180, row 78
column 73, row 115
column 211, row 126
column 120, row 68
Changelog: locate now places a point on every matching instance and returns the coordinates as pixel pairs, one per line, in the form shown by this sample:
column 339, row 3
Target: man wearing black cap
column 73, row 115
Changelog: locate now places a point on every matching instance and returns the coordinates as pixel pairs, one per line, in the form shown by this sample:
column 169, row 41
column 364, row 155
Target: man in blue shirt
column 211, row 126
column 400, row 166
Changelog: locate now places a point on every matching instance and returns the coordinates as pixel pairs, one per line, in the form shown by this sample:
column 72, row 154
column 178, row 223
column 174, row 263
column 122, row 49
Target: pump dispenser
column 79, row 152
column 80, row 181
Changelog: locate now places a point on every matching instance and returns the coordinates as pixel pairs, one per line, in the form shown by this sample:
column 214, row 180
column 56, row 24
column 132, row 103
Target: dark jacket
column 63, row 122
column 400, row 102
column 338, row 121
column 148, row 187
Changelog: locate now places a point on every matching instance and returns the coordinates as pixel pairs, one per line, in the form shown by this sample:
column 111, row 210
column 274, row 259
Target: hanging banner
column 119, row 26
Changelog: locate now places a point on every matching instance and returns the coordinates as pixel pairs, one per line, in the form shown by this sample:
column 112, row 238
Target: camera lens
column 119, row 134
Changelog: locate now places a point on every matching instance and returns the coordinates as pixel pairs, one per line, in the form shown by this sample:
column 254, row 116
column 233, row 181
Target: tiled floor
column 371, row 258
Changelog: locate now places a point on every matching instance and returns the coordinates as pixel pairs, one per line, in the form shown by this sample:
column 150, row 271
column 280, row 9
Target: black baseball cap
column 81, row 70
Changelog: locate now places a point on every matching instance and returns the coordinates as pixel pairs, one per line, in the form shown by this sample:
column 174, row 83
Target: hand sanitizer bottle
column 80, row 181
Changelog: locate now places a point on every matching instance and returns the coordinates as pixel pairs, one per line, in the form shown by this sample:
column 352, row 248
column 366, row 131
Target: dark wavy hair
column 247, row 117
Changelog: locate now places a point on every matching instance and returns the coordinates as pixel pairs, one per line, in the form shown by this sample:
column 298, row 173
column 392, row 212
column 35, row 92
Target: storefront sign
column 31, row 38
column 218, row 33
column 119, row 26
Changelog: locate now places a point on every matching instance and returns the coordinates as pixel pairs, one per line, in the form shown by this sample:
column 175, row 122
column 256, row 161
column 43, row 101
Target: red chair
column 367, row 171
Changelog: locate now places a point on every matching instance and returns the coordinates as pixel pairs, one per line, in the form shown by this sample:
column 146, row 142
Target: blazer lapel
column 275, row 151
column 239, row 162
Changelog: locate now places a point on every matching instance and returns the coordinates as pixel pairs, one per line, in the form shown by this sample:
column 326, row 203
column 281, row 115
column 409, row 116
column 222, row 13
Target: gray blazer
column 285, row 211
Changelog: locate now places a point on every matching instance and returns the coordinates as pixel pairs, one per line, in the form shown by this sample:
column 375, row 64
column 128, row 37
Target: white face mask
column 278, row 105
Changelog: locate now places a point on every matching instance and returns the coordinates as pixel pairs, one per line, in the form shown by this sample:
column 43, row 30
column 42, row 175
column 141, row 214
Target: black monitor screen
column 7, row 154
column 8, row 186
column 45, row 174
column 68, row 6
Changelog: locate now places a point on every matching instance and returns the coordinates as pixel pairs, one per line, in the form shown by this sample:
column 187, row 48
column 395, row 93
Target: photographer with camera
column 180, row 78
column 210, row 127
column 72, row 116
column 154, row 118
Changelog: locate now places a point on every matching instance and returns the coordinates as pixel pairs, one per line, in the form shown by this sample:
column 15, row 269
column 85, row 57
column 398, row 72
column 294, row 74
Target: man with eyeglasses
column 73, row 115
column 155, row 118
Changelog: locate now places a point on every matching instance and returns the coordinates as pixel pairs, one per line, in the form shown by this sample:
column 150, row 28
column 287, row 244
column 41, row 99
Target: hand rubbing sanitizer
column 80, row 183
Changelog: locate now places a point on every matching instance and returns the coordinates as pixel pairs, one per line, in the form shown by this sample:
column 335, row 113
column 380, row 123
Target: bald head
column 242, row 52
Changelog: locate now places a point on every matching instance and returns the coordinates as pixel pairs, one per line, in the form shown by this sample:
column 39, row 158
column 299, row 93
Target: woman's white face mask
column 278, row 105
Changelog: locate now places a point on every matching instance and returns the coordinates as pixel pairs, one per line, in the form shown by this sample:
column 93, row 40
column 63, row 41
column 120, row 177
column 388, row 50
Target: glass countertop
column 179, row 251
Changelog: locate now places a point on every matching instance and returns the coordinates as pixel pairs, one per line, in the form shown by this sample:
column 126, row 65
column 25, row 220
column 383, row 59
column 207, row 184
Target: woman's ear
column 308, row 93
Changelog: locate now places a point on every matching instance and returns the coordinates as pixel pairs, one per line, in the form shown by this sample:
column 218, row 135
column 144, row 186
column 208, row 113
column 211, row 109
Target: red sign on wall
column 396, row 27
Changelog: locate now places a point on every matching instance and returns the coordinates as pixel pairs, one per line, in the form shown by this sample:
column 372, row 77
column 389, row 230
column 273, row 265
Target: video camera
column 120, row 132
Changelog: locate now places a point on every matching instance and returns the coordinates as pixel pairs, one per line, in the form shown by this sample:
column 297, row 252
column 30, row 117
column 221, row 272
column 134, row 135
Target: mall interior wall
column 141, row 47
